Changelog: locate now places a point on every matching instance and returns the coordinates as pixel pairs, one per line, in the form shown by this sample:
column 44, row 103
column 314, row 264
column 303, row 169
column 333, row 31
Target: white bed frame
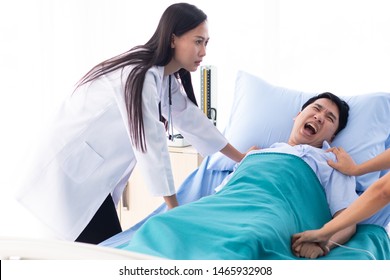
column 37, row 249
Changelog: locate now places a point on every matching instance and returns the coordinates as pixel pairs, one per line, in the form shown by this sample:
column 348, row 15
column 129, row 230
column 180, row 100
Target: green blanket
column 270, row 197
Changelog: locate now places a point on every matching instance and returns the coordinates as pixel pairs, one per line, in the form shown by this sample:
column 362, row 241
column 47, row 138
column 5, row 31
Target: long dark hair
column 177, row 19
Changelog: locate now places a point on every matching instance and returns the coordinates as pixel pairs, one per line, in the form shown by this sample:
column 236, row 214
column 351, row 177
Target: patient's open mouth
column 310, row 128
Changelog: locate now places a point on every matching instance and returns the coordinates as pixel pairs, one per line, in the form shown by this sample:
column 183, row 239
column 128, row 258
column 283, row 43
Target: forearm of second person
column 372, row 200
column 343, row 235
column 380, row 162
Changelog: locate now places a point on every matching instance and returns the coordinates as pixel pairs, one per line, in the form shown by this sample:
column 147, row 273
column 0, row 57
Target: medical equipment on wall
column 208, row 103
column 208, row 92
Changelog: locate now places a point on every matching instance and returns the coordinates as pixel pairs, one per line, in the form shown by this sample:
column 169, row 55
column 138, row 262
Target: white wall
column 47, row 45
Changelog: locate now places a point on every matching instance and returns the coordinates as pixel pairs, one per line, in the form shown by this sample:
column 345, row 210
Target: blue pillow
column 263, row 114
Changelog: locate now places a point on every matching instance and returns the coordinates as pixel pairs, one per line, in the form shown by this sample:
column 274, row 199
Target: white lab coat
column 88, row 153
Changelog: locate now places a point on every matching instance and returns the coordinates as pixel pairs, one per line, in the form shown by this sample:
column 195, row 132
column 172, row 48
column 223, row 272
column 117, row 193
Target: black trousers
column 104, row 224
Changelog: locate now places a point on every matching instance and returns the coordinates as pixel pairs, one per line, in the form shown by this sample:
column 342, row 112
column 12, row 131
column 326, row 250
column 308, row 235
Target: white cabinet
column 137, row 202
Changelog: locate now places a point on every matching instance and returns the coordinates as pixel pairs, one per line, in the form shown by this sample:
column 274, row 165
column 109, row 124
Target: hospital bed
column 262, row 114
column 22, row 248
column 228, row 225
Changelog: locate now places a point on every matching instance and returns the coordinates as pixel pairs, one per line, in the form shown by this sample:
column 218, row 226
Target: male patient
column 320, row 119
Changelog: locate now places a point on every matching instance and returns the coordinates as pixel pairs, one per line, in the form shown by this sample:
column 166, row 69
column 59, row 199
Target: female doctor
column 113, row 121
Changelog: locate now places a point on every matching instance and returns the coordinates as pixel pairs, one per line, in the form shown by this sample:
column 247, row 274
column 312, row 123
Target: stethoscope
column 171, row 136
column 169, row 123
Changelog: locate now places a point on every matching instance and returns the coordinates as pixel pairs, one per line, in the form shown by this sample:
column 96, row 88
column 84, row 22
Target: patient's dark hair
column 341, row 105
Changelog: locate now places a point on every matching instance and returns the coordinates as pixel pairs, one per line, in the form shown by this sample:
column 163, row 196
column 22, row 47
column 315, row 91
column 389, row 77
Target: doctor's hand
column 171, row 201
column 234, row 154
column 253, row 148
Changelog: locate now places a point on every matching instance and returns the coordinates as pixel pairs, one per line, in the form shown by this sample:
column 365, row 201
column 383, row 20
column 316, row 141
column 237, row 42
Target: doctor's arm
column 171, row 201
column 234, row 154
column 154, row 163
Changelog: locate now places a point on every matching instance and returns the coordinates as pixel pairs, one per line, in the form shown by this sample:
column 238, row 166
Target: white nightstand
column 137, row 202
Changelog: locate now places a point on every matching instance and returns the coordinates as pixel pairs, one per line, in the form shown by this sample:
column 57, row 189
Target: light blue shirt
column 340, row 189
